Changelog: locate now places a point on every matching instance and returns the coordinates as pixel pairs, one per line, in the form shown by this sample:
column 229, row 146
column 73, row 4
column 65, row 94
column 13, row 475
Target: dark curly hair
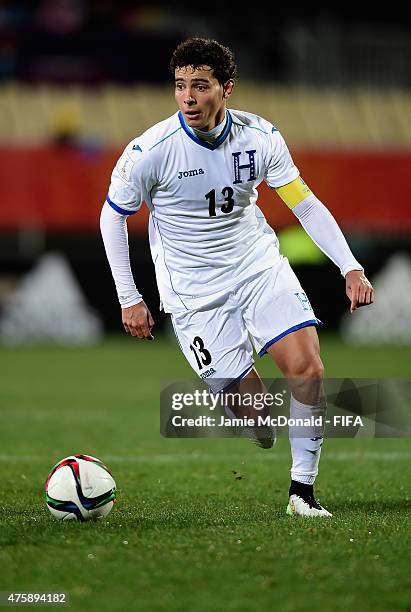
column 198, row 52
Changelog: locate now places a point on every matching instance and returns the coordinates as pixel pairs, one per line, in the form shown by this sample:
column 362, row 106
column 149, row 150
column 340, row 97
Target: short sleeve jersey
column 206, row 231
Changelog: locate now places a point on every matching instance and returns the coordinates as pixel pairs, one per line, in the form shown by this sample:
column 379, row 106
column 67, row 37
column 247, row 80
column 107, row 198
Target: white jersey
column 206, row 232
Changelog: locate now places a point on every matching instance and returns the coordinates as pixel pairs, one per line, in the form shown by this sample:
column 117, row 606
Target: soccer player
column 218, row 266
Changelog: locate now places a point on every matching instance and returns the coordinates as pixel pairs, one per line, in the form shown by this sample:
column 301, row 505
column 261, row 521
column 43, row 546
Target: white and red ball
column 80, row 487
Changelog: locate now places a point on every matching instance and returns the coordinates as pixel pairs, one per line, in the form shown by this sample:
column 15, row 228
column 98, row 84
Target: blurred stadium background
column 79, row 79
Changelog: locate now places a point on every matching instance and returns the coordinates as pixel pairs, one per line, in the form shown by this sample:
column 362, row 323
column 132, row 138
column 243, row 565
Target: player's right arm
column 125, row 198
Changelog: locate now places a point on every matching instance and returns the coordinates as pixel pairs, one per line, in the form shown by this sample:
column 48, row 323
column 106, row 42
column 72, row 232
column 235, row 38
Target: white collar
column 211, row 135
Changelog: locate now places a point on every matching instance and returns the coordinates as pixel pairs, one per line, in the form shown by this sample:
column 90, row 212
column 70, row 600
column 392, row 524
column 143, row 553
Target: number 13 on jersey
column 226, row 207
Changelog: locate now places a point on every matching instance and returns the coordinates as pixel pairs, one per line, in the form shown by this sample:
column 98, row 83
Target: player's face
column 200, row 97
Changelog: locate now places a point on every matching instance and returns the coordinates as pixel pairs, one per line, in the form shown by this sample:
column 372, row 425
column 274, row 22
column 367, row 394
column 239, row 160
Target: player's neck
column 210, row 135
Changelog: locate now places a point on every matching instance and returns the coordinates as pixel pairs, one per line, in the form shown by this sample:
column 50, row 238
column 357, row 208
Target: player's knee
column 315, row 369
column 308, row 368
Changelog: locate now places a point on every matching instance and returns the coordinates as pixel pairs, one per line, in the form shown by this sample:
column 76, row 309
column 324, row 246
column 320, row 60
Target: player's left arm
column 323, row 229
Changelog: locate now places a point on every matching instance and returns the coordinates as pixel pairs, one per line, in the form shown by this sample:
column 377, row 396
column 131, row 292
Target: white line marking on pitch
column 174, row 458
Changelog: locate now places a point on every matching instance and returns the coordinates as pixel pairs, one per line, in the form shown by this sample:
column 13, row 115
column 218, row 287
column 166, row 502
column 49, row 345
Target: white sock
column 305, row 451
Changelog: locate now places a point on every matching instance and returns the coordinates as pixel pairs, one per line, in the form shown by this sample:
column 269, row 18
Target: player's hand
column 359, row 289
column 137, row 321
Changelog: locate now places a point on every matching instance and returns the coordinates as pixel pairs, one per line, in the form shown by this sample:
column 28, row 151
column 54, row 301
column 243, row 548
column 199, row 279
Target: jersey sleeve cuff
column 126, row 302
column 283, row 180
column 118, row 209
column 354, row 265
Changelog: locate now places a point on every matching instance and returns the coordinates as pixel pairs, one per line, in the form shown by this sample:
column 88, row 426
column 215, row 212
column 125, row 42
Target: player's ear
column 228, row 88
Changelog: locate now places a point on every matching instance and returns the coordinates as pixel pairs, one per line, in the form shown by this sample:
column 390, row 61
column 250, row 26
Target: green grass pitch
column 186, row 534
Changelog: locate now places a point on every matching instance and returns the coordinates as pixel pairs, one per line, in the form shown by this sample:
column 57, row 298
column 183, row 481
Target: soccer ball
column 80, row 487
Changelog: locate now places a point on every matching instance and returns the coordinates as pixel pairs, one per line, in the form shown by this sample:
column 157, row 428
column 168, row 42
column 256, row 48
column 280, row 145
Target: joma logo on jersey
column 207, row 373
column 187, row 173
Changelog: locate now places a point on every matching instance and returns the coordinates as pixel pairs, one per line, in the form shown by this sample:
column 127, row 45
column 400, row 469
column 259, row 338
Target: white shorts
column 218, row 339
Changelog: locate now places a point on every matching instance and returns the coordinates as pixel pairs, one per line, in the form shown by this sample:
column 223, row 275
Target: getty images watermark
column 204, row 399
column 347, row 408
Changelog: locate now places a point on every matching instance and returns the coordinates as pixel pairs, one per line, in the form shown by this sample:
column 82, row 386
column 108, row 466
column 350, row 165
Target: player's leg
column 281, row 321
column 297, row 355
column 245, row 399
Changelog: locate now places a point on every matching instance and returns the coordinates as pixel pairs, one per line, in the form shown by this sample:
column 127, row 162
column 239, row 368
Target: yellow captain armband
column 293, row 193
